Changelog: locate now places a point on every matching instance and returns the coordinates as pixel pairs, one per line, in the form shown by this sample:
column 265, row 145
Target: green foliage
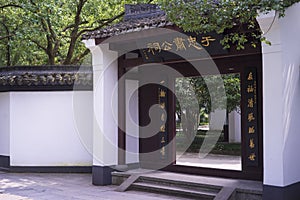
column 34, row 32
column 194, row 90
column 205, row 96
column 222, row 148
column 223, row 15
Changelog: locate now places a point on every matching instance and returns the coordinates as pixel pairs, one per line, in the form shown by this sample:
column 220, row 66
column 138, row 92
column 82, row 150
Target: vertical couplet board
column 153, row 145
column 163, row 132
column 251, row 119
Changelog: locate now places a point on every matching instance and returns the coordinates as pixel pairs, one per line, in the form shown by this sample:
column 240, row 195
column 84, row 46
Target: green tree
column 195, row 89
column 34, row 32
column 236, row 19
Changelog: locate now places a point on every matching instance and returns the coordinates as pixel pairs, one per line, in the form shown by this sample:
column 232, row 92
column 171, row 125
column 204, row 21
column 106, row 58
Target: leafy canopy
column 34, row 32
column 224, row 15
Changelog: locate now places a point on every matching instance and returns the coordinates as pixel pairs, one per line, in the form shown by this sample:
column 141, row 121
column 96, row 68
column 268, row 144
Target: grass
column 221, row 147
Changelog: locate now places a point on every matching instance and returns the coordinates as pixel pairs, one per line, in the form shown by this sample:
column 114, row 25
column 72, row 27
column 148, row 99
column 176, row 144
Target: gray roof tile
column 137, row 18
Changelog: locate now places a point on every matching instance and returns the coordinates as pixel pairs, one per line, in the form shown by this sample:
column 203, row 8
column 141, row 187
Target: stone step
column 173, row 190
column 4, row 169
column 189, row 186
column 180, row 184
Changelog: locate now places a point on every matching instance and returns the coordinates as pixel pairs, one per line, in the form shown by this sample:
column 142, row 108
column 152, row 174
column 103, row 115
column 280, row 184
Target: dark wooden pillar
column 121, row 113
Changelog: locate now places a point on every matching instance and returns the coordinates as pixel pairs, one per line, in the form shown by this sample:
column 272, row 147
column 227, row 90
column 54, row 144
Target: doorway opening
column 209, row 145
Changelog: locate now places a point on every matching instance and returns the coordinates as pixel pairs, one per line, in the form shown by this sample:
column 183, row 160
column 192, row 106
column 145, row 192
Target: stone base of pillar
column 291, row 192
column 102, row 175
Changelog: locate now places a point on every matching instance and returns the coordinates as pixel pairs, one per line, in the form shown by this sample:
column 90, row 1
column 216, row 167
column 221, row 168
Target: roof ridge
column 137, row 17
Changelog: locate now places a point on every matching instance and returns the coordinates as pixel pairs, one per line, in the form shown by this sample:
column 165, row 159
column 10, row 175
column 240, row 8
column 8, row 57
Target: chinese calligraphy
column 162, row 93
column 250, row 89
column 152, row 47
column 252, row 157
column 250, row 103
column 250, row 77
column 251, row 130
column 163, row 118
column 251, row 116
column 193, row 43
column 206, row 40
column 162, row 105
column 166, row 46
column 162, row 128
column 179, row 44
column 162, row 102
column 251, row 143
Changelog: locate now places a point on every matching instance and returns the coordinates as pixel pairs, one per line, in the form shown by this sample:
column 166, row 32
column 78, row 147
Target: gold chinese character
column 166, row 46
column 163, row 151
column 179, row 42
column 163, row 128
column 162, row 93
column 251, row 130
column 162, row 105
column 250, row 117
column 251, row 145
column 145, row 54
column 250, row 76
column 252, row 157
column 193, row 42
column 163, row 140
column 153, row 47
column 163, row 117
column 250, row 89
column 250, row 103
column 206, row 40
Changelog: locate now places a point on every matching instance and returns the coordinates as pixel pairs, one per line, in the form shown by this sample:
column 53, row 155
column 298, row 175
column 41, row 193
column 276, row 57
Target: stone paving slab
column 44, row 186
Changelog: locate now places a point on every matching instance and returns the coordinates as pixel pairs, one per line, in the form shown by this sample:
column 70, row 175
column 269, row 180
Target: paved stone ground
column 211, row 161
column 23, row 186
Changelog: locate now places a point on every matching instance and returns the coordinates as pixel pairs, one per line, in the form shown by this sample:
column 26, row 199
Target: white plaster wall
column 234, row 126
column 132, row 122
column 44, row 130
column 281, row 96
column 291, row 58
column 217, row 119
column 4, row 123
column 105, row 133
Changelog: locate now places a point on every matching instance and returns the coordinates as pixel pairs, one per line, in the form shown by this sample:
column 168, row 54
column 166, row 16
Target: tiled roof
column 137, row 18
column 45, row 78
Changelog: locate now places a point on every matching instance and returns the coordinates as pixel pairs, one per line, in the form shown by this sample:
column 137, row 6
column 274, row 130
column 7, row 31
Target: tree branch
column 72, row 26
column 52, row 32
column 80, row 56
column 38, row 44
column 56, row 46
column 7, row 36
column 101, row 25
column 74, row 32
column 10, row 5
column 32, row 2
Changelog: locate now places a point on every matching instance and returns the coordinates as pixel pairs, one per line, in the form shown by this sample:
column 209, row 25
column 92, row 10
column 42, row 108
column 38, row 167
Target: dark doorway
column 157, row 91
column 244, row 150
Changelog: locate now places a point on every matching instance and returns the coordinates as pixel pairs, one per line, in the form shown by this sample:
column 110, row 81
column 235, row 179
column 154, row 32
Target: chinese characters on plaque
column 160, row 48
column 178, row 44
column 163, row 135
column 250, row 106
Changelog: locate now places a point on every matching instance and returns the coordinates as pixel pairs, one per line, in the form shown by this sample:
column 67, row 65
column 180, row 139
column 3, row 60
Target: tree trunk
column 8, row 51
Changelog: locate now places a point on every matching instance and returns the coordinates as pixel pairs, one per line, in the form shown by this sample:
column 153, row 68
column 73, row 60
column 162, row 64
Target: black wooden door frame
column 226, row 64
column 239, row 65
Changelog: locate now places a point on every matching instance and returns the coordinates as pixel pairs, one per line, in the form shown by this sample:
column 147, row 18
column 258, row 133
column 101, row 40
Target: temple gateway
column 163, row 109
column 150, row 61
